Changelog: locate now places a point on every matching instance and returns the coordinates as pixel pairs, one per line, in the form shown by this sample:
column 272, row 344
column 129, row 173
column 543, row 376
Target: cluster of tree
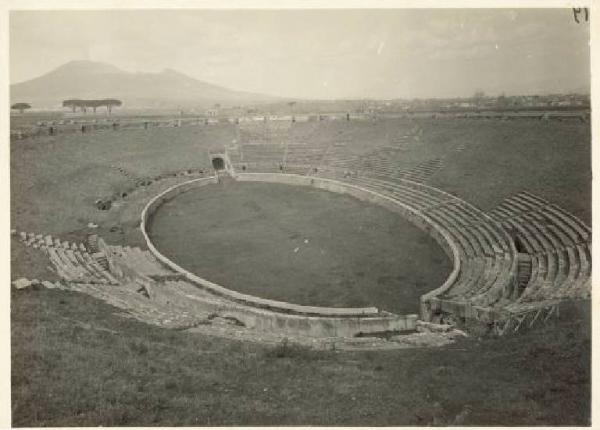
column 21, row 107
column 84, row 105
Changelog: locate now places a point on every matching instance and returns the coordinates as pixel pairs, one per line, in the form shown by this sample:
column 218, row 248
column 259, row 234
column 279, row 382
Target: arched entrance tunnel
column 218, row 163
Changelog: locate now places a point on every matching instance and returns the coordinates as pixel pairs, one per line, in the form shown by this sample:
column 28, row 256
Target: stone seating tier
column 141, row 261
column 558, row 243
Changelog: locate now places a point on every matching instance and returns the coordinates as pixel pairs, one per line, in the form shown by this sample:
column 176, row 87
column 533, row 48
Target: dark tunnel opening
column 218, row 163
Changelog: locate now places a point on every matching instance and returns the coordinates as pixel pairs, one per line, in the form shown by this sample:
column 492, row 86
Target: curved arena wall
column 264, row 314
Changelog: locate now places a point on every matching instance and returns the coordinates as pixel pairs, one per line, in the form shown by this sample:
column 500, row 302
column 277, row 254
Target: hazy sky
column 320, row 53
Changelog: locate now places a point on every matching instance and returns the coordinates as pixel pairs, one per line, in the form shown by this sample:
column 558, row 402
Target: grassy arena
column 77, row 361
column 300, row 245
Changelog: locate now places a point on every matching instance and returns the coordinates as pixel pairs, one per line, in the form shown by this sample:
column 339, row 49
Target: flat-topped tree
column 109, row 103
column 95, row 104
column 21, row 106
column 72, row 103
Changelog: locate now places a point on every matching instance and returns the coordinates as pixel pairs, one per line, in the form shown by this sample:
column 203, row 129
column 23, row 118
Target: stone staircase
column 524, row 270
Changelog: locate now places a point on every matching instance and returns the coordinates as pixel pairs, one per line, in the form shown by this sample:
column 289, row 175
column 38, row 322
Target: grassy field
column 300, row 245
column 51, row 173
column 79, row 362
column 548, row 158
column 551, row 159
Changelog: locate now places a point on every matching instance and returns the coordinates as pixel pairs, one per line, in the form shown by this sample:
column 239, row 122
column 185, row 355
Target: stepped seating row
column 487, row 265
column 234, row 154
column 487, row 257
column 383, row 155
column 340, row 161
column 310, row 155
column 373, row 167
column 264, row 139
column 389, row 170
column 558, row 243
column 384, row 160
column 404, row 192
column 140, row 261
column 252, row 136
column 43, row 241
column 382, row 166
column 77, row 266
column 383, row 163
column 423, row 171
column 73, row 261
column 269, row 157
column 557, row 275
column 263, row 152
column 298, row 169
column 262, row 167
column 166, row 308
column 419, row 195
column 527, row 203
column 400, row 139
column 263, row 131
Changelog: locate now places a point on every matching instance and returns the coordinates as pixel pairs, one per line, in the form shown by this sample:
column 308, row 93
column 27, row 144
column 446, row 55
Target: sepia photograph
column 310, row 215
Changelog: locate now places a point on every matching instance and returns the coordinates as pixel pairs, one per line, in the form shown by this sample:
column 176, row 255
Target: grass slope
column 56, row 179
column 76, row 362
column 550, row 159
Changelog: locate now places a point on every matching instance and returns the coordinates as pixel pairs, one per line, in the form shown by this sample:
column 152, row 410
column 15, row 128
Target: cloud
column 376, row 53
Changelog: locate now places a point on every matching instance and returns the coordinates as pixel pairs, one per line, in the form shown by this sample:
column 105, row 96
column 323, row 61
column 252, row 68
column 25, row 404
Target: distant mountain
column 90, row 80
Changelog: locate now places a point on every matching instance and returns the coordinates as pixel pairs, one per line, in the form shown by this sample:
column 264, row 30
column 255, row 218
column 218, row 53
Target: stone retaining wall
column 263, row 314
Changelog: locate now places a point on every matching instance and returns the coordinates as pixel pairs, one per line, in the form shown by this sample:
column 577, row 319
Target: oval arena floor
column 300, row 245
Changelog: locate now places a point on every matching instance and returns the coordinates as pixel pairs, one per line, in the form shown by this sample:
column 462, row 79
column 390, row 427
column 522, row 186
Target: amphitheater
column 514, row 265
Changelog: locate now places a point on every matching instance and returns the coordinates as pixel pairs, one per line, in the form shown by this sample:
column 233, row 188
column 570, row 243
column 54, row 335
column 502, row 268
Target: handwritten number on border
column 581, row 12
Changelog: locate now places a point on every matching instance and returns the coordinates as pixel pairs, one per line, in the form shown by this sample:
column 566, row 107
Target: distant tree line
column 84, row 105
